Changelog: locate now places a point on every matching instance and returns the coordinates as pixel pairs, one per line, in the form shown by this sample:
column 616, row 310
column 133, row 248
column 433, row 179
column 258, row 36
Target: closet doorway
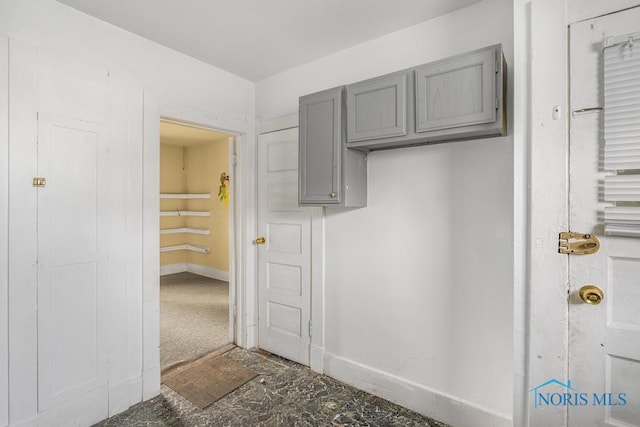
column 196, row 216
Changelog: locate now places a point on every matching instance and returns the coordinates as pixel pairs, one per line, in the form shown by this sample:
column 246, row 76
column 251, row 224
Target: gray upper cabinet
column 329, row 174
column 457, row 98
column 456, row 92
column 377, row 108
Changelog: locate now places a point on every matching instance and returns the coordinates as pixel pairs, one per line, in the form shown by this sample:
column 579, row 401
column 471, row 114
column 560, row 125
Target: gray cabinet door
column 377, row 108
column 320, row 147
column 455, row 92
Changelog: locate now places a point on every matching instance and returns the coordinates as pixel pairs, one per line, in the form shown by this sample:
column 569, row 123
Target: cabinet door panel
column 456, row 92
column 377, row 108
column 320, row 145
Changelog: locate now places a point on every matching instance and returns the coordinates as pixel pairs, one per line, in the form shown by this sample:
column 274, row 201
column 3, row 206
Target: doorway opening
column 196, row 241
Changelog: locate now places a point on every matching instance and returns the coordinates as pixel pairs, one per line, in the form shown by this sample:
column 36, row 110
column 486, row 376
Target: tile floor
column 283, row 394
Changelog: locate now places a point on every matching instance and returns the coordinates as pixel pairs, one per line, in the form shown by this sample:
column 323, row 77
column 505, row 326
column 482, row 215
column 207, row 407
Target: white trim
column 316, row 355
column 173, row 268
column 151, row 246
column 521, row 147
column 208, row 272
column 23, row 250
column 416, row 397
column 233, row 277
column 544, row 145
column 278, row 123
column 241, row 281
column 119, row 395
column 4, row 231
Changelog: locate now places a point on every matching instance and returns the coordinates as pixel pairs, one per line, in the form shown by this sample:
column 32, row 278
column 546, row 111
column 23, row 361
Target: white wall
column 418, row 285
column 174, row 85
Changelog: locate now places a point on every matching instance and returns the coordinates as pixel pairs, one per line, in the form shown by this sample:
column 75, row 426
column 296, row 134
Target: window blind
column 622, row 137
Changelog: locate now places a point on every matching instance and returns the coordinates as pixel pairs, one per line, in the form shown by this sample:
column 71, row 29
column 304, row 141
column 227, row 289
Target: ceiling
column 186, row 136
column 256, row 39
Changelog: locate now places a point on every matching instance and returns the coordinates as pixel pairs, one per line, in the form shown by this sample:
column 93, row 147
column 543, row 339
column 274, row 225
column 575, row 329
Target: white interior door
column 604, row 339
column 284, row 259
column 73, row 216
column 71, row 262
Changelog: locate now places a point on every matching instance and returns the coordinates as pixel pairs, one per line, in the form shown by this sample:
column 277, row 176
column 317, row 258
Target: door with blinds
column 604, row 168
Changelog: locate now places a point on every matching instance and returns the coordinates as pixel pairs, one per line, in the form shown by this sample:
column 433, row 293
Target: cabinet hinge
column 310, row 329
column 577, row 243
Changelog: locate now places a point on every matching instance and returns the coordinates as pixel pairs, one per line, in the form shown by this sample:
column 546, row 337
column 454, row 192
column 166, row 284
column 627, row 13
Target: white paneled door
column 604, row 338
column 72, row 360
column 284, row 250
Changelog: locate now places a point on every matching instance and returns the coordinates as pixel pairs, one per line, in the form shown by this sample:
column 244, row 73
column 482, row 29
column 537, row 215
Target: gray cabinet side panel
column 355, row 176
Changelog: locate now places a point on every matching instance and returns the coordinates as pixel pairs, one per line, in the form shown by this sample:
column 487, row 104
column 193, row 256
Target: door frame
column 541, row 194
column 4, row 230
column 156, row 109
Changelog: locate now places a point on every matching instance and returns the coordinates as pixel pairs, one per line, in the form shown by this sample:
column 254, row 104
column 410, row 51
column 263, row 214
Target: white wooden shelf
column 185, row 213
column 187, row 247
column 185, row 195
column 188, row 230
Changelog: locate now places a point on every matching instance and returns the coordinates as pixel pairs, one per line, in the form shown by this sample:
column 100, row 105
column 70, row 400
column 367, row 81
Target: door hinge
column 497, row 66
column 577, row 243
column 235, row 160
column 497, row 103
column 310, row 329
column 234, row 310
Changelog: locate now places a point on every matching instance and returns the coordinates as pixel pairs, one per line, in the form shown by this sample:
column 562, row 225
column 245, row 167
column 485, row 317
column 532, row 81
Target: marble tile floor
column 283, row 394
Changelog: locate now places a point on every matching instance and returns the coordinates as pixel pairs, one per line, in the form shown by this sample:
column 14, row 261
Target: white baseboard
column 316, row 359
column 416, row 397
column 196, row 269
column 150, row 383
column 173, row 268
column 208, row 272
column 118, row 398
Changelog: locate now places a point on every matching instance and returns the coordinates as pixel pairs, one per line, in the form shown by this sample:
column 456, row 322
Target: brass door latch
column 578, row 243
column 39, row 181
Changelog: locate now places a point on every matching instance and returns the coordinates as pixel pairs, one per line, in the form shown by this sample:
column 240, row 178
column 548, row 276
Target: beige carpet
column 193, row 317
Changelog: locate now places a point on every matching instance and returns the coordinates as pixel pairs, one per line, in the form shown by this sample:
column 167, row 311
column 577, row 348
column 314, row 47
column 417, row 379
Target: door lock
column 578, row 243
column 591, row 294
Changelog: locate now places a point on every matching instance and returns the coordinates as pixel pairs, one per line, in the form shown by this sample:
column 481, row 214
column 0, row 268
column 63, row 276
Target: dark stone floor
column 283, row 394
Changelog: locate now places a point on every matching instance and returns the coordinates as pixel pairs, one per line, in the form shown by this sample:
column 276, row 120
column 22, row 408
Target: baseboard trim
column 173, row 268
column 208, row 272
column 196, row 269
column 316, row 359
column 150, row 383
column 431, row 403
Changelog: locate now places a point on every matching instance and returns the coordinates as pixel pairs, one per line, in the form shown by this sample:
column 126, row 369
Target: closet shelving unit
column 185, row 230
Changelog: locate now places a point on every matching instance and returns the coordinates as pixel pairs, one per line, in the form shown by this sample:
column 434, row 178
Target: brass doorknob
column 260, row 241
column 591, row 294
